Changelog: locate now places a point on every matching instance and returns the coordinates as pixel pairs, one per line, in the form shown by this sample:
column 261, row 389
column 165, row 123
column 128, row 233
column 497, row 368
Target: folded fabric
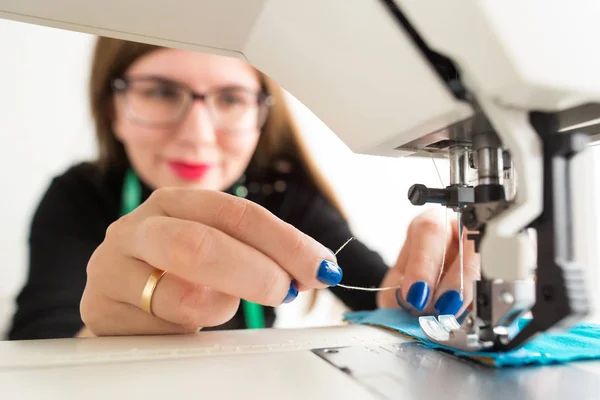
column 581, row 342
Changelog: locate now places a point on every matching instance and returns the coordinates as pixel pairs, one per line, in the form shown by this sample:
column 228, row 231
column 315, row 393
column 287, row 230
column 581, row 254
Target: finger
column 310, row 263
column 394, row 277
column 451, row 242
column 106, row 317
column 428, row 241
column 392, row 298
column 208, row 257
column 175, row 300
column 448, row 299
column 402, row 260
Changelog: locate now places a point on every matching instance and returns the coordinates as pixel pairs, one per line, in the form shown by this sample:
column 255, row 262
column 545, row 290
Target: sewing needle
column 460, row 252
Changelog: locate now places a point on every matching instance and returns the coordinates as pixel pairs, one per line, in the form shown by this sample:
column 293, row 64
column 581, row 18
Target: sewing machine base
column 355, row 362
column 409, row 370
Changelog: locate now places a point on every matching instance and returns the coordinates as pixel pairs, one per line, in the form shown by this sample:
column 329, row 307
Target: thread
column 460, row 241
column 374, row 289
column 461, row 255
column 365, row 289
column 344, row 245
column 445, row 226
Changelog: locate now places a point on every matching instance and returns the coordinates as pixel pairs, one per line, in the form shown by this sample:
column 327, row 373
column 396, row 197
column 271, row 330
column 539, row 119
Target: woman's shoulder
column 78, row 202
column 88, row 172
column 82, row 186
column 88, row 175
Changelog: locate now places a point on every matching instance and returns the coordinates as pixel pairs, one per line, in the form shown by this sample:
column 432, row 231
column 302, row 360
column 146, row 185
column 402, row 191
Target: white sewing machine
column 509, row 91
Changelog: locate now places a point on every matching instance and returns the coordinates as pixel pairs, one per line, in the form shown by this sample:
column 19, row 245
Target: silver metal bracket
column 446, row 330
column 509, row 301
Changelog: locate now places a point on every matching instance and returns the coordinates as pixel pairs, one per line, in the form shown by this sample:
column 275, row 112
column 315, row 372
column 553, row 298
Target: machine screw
column 469, row 218
column 548, row 292
column 507, row 298
column 470, row 321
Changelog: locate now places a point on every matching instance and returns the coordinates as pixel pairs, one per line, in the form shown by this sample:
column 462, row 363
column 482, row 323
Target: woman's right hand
column 215, row 248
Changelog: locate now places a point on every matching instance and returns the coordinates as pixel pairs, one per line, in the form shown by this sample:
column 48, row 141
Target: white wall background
column 45, row 127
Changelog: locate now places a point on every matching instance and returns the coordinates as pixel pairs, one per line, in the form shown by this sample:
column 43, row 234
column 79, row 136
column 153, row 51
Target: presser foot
column 445, row 330
column 490, row 326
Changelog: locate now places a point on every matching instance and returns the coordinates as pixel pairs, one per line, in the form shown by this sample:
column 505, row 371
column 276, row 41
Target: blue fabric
column 581, row 342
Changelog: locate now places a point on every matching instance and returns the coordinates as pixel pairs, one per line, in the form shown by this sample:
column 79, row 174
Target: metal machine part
column 409, row 370
column 490, row 166
column 459, row 193
column 558, row 295
column 494, row 135
column 459, row 165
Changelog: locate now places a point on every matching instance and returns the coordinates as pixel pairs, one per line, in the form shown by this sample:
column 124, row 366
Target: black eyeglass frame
column 121, row 83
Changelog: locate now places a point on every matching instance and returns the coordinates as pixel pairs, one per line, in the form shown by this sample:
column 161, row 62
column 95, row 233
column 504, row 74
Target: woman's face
column 175, row 139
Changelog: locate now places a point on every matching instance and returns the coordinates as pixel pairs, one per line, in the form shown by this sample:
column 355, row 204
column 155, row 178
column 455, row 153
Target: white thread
column 445, row 226
column 372, row 289
column 344, row 245
column 369, row 289
column 358, row 287
column 461, row 254
column 437, row 170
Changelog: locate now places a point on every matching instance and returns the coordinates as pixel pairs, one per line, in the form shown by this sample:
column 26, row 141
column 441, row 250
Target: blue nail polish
column 418, row 294
column 449, row 303
column 292, row 293
column 329, row 273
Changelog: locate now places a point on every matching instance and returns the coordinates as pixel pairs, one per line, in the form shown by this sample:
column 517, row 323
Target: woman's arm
column 66, row 228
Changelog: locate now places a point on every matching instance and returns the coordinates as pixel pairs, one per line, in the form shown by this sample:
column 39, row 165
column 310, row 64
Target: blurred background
column 45, row 127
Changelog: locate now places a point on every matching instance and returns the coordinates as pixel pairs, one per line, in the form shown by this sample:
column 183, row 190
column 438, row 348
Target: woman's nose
column 197, row 126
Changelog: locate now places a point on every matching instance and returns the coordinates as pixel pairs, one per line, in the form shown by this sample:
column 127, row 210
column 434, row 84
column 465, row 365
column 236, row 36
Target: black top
column 73, row 215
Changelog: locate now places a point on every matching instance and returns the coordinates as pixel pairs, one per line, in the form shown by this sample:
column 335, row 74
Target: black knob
column 420, row 194
column 417, row 194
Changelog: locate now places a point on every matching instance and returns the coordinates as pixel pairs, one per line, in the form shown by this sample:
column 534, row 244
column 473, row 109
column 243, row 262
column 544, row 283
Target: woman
column 203, row 195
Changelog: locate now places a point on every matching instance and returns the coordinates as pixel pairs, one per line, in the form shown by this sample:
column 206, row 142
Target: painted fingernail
column 418, row 294
column 449, row 303
column 329, row 273
column 400, row 303
column 292, row 293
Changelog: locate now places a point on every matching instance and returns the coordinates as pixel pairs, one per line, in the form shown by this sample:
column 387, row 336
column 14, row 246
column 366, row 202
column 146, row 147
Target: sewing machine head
column 486, row 84
column 481, row 187
column 482, row 191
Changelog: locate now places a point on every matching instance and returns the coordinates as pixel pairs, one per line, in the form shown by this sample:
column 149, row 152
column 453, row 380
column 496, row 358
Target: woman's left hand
column 419, row 264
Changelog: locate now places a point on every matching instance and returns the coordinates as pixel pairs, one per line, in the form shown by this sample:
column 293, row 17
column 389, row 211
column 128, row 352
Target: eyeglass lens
column 159, row 103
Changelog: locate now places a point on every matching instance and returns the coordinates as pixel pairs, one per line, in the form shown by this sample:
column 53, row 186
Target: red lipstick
column 189, row 171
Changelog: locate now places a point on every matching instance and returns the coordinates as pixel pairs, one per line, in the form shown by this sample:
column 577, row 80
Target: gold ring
column 148, row 291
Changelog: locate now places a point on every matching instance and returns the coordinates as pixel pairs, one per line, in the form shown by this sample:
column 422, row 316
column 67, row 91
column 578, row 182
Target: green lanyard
column 131, row 197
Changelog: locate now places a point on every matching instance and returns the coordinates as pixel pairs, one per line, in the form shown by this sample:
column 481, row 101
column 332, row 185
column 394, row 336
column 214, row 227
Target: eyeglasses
column 159, row 102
